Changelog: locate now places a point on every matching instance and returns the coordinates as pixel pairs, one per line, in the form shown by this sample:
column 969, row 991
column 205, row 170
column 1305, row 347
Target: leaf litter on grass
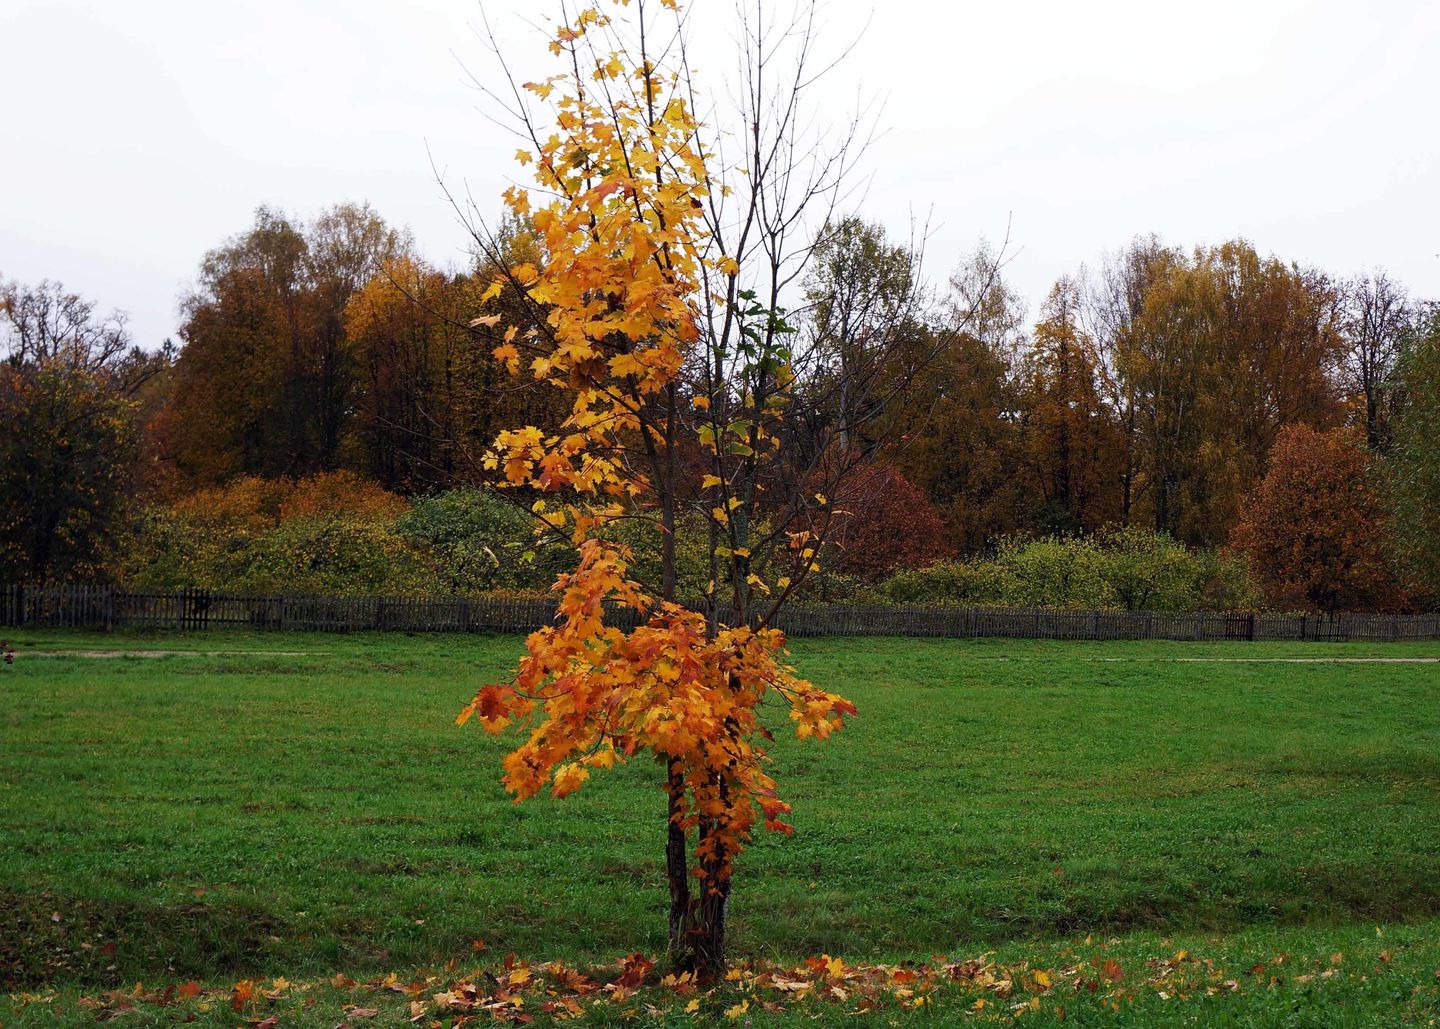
column 1084, row 977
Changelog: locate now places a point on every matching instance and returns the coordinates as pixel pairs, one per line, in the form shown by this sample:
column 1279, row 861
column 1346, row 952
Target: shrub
column 1131, row 568
column 340, row 494
column 975, row 583
column 1228, row 583
column 1054, row 571
column 330, row 555
column 831, row 587
column 165, row 550
column 334, row 556
column 1150, row 571
column 267, row 536
column 248, row 503
column 252, row 503
column 476, row 542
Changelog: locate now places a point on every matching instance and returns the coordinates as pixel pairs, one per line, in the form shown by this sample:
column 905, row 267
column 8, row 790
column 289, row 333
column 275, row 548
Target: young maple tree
column 655, row 304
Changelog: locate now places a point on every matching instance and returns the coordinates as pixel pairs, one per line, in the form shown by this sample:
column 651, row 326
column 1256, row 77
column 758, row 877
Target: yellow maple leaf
column 568, row 779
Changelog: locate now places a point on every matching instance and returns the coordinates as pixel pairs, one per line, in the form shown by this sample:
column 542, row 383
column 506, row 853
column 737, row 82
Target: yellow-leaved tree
column 654, row 303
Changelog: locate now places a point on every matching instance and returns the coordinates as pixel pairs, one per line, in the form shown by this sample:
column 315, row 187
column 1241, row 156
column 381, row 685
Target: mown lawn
column 212, row 816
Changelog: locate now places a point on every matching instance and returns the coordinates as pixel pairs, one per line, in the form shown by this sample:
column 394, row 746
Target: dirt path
column 20, row 654
column 1286, row 660
column 1163, row 659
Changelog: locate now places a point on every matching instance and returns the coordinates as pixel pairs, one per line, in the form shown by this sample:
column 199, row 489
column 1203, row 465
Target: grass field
column 297, row 805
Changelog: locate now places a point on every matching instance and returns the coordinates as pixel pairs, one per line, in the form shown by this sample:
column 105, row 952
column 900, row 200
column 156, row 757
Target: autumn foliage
column 1314, row 528
column 883, row 524
column 255, row 503
column 619, row 187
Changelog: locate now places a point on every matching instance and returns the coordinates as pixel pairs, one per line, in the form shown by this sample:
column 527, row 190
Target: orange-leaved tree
column 1315, row 529
column 679, row 379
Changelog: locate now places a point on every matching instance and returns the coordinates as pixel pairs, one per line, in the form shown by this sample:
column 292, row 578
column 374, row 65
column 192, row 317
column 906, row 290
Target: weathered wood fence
column 105, row 607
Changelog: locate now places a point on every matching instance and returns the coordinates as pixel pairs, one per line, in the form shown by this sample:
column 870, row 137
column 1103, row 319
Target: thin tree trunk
column 677, row 856
column 710, row 932
column 677, row 872
column 708, row 935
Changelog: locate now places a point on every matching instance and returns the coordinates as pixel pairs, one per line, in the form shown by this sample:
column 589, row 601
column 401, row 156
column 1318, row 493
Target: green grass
column 232, row 815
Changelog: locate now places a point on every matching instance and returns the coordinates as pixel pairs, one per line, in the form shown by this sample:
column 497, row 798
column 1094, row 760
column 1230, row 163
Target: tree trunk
column 697, row 924
column 677, row 857
column 677, row 872
column 710, row 932
column 707, row 934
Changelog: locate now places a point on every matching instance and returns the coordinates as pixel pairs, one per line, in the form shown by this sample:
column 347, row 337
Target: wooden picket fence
column 106, row 607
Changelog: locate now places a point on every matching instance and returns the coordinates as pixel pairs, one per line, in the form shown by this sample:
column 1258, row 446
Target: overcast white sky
column 137, row 135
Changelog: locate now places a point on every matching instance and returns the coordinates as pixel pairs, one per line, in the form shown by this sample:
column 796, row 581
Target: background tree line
column 1164, row 390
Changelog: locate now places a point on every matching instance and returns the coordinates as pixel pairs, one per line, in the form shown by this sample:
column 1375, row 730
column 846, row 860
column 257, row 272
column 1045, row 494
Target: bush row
column 1131, row 569
column 342, row 536
column 339, row 535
